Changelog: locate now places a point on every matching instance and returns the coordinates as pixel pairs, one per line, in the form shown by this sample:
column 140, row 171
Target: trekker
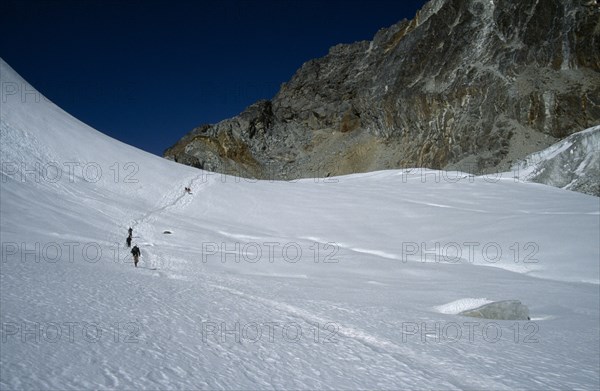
column 130, row 231
column 128, row 240
column 135, row 251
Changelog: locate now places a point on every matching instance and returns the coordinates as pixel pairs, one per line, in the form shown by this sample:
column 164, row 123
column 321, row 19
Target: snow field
column 338, row 283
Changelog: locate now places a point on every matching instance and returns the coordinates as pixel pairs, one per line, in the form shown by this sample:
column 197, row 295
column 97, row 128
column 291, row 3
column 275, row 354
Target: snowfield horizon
column 352, row 282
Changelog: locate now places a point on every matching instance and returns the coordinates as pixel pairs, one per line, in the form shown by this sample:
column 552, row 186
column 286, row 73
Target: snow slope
column 571, row 164
column 343, row 283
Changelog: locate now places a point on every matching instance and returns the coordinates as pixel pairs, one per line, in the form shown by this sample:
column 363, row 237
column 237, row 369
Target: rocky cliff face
column 473, row 85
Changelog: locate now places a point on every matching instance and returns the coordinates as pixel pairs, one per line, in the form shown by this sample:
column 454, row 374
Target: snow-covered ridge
column 571, row 164
column 339, row 283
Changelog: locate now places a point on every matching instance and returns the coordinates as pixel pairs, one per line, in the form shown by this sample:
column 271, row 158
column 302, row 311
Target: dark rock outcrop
column 473, row 85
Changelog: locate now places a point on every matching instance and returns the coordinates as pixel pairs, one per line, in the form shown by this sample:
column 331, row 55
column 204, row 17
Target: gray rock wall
column 467, row 84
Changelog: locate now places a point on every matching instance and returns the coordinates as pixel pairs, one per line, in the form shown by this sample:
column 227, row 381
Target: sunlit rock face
column 467, row 84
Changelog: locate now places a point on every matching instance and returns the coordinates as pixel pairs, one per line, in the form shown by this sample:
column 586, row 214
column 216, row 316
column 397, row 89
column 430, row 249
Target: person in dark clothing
column 130, row 231
column 128, row 240
column 135, row 251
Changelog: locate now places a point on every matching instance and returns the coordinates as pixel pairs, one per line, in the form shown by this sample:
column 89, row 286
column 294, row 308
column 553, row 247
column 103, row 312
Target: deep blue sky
column 147, row 72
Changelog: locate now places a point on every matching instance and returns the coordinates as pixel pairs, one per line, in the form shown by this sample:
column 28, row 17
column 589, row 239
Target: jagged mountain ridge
column 467, row 84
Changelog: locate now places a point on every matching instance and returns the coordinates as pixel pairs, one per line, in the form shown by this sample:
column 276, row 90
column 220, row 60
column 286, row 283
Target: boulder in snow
column 500, row 310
